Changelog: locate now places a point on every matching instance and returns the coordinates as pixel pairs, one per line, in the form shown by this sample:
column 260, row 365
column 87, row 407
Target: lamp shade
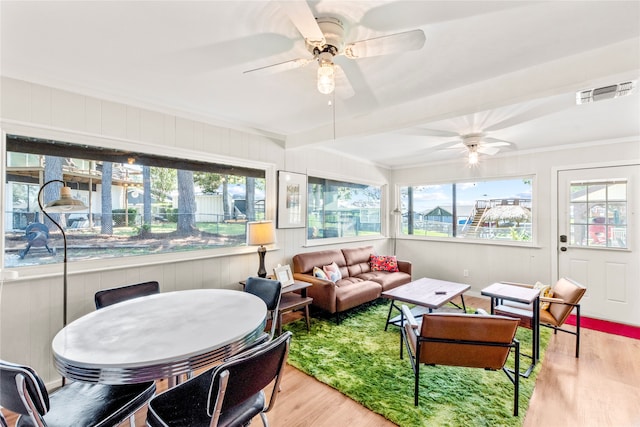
column 66, row 203
column 260, row 233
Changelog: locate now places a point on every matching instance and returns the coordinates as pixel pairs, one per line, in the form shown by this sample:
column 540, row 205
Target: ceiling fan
column 324, row 39
column 478, row 143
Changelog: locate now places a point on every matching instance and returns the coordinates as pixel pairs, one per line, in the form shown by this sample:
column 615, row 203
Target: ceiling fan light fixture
column 326, row 77
column 473, row 155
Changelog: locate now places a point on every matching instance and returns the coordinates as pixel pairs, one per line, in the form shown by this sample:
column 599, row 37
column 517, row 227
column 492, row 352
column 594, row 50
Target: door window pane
column 598, row 214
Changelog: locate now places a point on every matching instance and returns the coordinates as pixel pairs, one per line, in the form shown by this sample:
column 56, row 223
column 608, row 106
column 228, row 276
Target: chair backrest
column 17, row 380
column 270, row 292
column 471, row 340
column 243, row 376
column 570, row 292
column 111, row 296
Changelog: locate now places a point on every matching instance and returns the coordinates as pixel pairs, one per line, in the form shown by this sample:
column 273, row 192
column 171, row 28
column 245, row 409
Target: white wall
column 31, row 307
column 490, row 263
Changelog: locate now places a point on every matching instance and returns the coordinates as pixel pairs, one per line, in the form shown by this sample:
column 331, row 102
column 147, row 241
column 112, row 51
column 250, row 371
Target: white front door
column 598, row 238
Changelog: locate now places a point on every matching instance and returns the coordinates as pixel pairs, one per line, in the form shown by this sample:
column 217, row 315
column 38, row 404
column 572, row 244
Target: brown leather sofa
column 358, row 284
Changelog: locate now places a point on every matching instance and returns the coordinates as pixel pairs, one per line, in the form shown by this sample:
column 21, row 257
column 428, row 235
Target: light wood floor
column 601, row 388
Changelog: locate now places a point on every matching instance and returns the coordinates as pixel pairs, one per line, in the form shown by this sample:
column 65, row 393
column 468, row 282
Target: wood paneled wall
column 31, row 307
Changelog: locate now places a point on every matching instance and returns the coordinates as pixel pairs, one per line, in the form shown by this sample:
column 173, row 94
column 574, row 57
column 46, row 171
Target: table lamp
column 64, row 204
column 260, row 233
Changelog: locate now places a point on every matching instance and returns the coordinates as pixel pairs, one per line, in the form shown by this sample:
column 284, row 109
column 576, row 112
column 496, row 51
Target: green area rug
column 361, row 360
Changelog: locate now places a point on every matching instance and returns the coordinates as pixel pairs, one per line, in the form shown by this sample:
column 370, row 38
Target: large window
column 138, row 204
column 499, row 210
column 342, row 209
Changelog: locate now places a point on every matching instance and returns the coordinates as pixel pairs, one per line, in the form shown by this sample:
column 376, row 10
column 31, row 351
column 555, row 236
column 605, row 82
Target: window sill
column 513, row 243
column 107, row 264
column 338, row 240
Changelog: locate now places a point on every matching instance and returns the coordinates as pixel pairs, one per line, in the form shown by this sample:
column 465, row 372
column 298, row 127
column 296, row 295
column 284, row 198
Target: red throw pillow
column 383, row 263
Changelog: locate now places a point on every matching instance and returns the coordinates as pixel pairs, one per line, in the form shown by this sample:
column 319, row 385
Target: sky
column 428, row 197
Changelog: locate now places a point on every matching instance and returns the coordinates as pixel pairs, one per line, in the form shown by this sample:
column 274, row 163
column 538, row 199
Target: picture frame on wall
column 292, row 200
column 283, row 274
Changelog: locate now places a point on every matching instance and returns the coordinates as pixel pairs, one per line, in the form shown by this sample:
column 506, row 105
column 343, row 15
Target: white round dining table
column 158, row 336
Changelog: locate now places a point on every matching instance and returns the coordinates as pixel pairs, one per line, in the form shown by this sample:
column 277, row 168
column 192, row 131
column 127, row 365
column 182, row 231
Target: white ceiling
column 507, row 68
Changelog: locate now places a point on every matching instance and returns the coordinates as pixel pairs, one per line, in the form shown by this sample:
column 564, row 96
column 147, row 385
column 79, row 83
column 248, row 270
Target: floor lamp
column 64, row 204
column 261, row 233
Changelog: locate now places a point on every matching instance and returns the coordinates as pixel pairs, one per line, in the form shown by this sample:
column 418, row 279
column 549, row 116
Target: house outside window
column 138, row 203
column 341, row 209
column 598, row 214
column 496, row 210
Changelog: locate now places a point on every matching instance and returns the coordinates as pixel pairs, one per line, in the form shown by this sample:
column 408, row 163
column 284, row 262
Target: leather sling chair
column 467, row 340
column 554, row 311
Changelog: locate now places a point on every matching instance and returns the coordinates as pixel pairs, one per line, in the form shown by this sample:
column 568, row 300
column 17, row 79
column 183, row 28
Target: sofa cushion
column 319, row 273
column 304, row 263
column 357, row 259
column 386, row 279
column 383, row 263
column 332, row 271
column 349, row 295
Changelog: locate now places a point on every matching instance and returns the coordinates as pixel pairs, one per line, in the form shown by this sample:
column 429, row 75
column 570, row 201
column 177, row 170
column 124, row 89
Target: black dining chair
column 76, row 404
column 270, row 291
column 230, row 394
column 111, row 296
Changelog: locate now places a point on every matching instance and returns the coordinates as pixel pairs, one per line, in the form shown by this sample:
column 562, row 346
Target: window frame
column 533, row 242
column 113, row 143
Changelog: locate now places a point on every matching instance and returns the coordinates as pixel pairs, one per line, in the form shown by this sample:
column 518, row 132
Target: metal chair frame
column 421, row 341
column 270, row 291
column 107, row 297
column 226, row 393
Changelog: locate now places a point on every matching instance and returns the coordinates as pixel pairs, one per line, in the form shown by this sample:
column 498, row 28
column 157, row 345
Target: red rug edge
column 606, row 326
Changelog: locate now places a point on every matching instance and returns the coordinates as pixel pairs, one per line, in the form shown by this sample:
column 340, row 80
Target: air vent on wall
column 605, row 92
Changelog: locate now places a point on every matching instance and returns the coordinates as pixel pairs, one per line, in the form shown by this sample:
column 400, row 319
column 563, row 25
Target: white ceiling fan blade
column 534, row 111
column 458, row 146
column 279, row 67
column 343, row 88
column 488, row 150
column 383, row 45
column 302, row 17
column 496, row 141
